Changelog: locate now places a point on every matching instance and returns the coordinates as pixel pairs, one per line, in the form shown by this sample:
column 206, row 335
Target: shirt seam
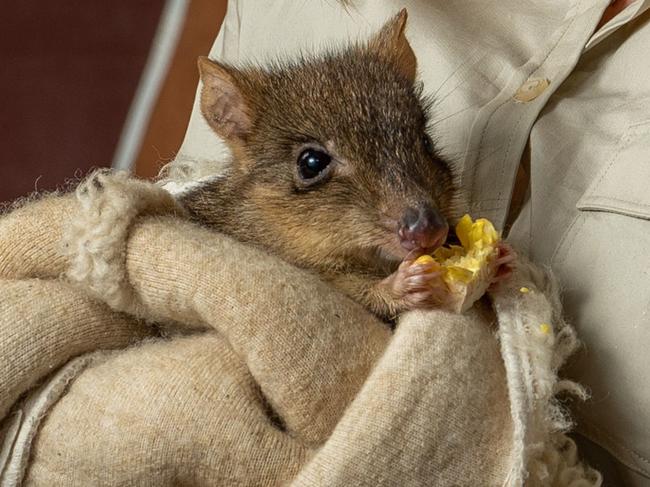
column 499, row 197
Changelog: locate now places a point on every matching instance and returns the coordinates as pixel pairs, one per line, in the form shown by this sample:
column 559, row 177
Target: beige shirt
column 507, row 73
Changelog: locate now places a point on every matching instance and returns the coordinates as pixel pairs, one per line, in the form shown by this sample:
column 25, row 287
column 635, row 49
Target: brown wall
column 69, row 72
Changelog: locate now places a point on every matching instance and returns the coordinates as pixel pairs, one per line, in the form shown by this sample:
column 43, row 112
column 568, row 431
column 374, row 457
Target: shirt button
column 531, row 89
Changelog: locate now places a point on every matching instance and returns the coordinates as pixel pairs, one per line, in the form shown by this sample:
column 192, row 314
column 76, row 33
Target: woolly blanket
column 140, row 349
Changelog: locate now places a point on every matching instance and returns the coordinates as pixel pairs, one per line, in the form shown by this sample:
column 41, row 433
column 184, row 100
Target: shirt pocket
column 623, row 186
column 620, row 189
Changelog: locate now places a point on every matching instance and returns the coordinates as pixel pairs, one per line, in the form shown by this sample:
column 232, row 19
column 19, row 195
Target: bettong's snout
column 422, row 227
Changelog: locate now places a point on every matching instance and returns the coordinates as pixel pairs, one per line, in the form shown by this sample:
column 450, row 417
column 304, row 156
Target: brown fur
column 363, row 106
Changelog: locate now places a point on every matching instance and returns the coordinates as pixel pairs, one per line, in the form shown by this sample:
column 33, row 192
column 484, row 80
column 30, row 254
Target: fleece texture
column 232, row 367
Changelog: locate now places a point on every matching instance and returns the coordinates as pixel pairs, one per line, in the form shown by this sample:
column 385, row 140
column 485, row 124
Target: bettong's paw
column 505, row 263
column 420, row 285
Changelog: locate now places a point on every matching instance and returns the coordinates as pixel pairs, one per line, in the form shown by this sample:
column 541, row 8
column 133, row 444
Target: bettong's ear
column 391, row 43
column 223, row 104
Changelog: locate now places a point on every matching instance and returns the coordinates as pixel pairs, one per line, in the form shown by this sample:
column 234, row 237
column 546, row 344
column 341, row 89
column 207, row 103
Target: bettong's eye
column 312, row 163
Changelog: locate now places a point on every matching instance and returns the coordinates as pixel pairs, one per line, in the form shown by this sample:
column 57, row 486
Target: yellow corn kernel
column 463, row 230
column 524, row 290
column 424, row 259
column 458, row 274
column 545, row 328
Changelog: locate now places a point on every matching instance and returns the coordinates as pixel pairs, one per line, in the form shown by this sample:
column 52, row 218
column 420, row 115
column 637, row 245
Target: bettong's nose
column 422, row 227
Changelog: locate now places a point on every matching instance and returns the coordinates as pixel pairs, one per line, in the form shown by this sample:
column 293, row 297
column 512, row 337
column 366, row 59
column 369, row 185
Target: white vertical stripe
column 153, row 76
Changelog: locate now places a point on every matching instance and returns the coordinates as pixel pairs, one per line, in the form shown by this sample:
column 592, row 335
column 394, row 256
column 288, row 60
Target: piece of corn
column 468, row 268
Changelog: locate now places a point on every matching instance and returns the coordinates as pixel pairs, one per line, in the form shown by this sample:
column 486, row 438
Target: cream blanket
column 139, row 349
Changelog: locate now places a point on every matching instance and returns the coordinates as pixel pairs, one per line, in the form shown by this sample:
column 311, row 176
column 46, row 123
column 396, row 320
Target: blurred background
column 97, row 84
